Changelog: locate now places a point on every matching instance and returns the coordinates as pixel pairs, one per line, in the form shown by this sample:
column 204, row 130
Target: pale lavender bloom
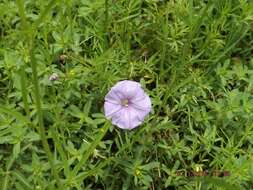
column 126, row 104
column 54, row 77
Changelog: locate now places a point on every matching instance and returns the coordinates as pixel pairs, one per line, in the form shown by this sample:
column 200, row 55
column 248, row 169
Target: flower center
column 125, row 102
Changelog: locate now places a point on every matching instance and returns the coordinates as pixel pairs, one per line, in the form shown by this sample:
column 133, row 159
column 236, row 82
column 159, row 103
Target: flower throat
column 125, row 102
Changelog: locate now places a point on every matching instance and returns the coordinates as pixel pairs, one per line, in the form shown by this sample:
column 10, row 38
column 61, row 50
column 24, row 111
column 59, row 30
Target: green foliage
column 194, row 59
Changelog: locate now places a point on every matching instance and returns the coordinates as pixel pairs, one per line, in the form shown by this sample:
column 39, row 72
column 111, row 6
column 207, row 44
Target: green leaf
column 217, row 182
column 19, row 176
column 16, row 150
column 14, row 113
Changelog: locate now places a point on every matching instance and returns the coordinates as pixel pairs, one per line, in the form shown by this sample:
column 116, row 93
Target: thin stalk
column 91, row 149
column 165, row 32
column 21, row 10
column 6, row 181
column 24, row 92
column 35, row 81
column 22, row 70
column 126, row 34
column 106, row 24
column 59, row 148
column 41, row 128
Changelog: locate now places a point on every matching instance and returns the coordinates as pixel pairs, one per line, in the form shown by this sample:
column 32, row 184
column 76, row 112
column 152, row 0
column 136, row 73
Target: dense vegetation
column 193, row 58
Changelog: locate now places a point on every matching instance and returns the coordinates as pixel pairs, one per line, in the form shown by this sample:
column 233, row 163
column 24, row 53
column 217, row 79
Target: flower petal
column 129, row 88
column 120, row 119
column 142, row 104
column 139, row 114
column 128, row 118
column 138, row 95
column 111, row 109
column 113, row 96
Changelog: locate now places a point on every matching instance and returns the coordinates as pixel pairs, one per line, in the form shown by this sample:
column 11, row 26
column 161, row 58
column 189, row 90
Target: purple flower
column 127, row 104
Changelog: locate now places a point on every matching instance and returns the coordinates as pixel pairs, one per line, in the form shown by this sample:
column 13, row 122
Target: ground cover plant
column 58, row 60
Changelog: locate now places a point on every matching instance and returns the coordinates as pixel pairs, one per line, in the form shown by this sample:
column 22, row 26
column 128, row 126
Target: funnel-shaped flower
column 127, row 104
